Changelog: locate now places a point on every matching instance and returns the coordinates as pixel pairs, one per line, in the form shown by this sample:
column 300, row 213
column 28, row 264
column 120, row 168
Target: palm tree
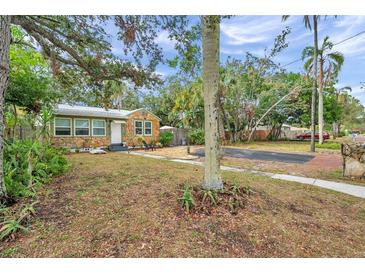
column 330, row 64
column 308, row 24
column 210, row 35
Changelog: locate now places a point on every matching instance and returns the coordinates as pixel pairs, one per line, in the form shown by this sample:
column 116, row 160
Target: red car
column 307, row 136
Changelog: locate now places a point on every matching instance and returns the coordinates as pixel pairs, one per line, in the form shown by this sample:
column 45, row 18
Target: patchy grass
column 119, row 205
column 329, row 145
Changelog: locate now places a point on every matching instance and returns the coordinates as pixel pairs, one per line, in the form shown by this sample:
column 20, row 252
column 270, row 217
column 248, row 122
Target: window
column 98, row 128
column 138, row 127
column 62, row 127
column 81, row 127
column 148, row 128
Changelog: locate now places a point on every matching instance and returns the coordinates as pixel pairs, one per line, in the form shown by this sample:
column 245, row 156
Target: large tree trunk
column 221, row 116
column 210, row 33
column 4, row 75
column 320, row 101
column 314, row 91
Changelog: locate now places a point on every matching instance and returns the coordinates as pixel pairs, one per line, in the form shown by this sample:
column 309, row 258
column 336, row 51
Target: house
column 90, row 127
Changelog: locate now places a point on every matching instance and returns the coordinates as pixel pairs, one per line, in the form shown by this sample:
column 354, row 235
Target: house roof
column 166, row 127
column 63, row 109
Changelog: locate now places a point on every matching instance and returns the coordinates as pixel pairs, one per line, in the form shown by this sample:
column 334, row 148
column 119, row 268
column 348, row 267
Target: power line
column 292, row 62
column 353, row 36
column 335, row 44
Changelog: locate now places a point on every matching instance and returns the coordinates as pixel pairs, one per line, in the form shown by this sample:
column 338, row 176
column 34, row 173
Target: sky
column 240, row 34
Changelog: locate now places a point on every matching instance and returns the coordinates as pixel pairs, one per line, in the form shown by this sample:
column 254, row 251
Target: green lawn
column 119, row 205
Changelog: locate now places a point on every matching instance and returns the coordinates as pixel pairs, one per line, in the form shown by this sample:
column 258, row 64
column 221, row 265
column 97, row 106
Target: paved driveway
column 263, row 155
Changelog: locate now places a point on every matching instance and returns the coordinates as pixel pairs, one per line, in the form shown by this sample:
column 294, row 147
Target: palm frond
column 336, row 57
column 284, row 18
column 327, row 44
column 307, row 22
column 307, row 52
column 308, row 65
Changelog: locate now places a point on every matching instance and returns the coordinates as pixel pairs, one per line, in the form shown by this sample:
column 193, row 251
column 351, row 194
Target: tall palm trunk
column 4, row 75
column 320, row 100
column 210, row 33
column 314, row 90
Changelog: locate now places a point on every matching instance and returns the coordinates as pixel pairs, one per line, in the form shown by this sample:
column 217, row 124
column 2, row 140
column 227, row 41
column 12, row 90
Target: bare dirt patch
column 178, row 152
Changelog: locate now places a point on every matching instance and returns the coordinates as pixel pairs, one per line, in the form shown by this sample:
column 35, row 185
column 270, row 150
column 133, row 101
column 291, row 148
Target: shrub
column 140, row 140
column 12, row 220
column 187, row 200
column 328, row 145
column 342, row 134
column 29, row 164
column 196, row 136
column 9, row 227
column 210, row 196
column 166, row 138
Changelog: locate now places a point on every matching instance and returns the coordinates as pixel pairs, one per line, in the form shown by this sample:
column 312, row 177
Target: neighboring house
column 89, row 127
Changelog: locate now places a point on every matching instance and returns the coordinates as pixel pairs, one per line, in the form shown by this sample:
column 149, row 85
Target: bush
column 342, row 134
column 29, row 164
column 140, row 140
column 166, row 138
column 196, row 136
column 328, row 145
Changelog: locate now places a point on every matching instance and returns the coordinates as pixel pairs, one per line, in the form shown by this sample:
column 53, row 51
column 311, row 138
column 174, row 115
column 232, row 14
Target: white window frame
column 92, row 127
column 138, row 127
column 144, row 128
column 54, row 128
column 78, row 119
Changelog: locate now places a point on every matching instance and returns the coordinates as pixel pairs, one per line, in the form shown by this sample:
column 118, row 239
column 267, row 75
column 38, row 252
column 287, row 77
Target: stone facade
column 128, row 132
column 81, row 142
column 131, row 138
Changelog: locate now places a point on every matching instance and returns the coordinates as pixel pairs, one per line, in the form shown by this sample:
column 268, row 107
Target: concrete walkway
column 354, row 190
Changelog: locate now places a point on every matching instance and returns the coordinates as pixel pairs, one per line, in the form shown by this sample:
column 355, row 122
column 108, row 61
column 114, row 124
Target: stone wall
column 353, row 160
column 81, row 142
column 129, row 136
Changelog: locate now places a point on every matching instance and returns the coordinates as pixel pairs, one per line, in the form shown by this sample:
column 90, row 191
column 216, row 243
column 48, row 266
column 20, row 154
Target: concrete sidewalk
column 354, row 190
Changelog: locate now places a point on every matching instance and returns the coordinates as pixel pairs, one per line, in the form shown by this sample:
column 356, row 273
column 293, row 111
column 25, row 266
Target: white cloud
column 260, row 52
column 353, row 47
column 349, row 21
column 346, row 27
column 160, row 73
column 248, row 29
column 164, row 41
column 232, row 51
column 357, row 91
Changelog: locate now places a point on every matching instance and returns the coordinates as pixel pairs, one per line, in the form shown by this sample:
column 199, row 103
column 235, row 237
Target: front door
column 116, row 132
